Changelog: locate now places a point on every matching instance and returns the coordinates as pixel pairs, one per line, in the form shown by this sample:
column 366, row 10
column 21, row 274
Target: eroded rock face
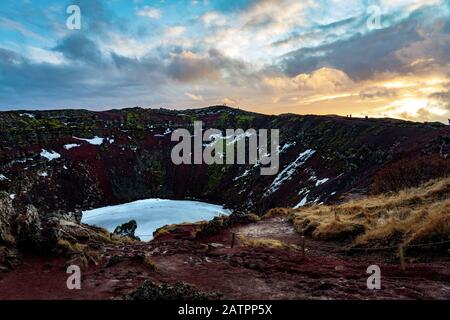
column 347, row 156
column 72, row 216
column 9, row 256
column 6, row 215
column 29, row 227
column 23, row 228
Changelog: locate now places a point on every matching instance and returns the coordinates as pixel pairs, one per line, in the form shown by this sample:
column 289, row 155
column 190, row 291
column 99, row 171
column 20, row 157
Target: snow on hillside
column 287, row 172
column 96, row 141
column 302, row 203
column 71, row 146
column 168, row 131
column 321, row 181
column 50, row 155
column 152, row 214
column 29, row 115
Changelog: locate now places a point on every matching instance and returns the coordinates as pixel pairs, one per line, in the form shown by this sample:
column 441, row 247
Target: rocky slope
column 74, row 159
column 266, row 262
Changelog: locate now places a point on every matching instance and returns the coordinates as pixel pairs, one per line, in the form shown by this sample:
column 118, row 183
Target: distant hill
column 78, row 159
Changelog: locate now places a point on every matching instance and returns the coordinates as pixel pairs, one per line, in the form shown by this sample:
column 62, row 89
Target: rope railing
column 401, row 248
column 322, row 246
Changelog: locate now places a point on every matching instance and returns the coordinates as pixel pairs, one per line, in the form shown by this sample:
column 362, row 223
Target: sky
column 383, row 58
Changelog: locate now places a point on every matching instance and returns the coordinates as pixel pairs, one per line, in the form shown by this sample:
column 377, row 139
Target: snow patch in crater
column 96, row 141
column 152, row 214
column 71, row 146
column 50, row 155
column 287, row 172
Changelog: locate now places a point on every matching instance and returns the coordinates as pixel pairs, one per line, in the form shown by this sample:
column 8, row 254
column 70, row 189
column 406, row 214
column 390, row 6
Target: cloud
column 422, row 36
column 360, row 56
column 320, row 34
column 250, row 31
column 78, row 47
column 230, row 102
column 323, row 80
column 125, row 46
column 38, row 55
column 149, row 12
column 442, row 99
column 96, row 17
column 433, row 49
column 11, row 24
column 188, row 67
column 194, row 97
column 175, row 31
column 268, row 55
column 115, row 81
column 9, row 57
column 213, row 18
column 377, row 92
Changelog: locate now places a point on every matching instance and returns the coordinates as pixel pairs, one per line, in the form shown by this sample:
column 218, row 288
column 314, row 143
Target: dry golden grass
column 260, row 242
column 83, row 252
column 167, row 229
column 414, row 215
column 71, row 248
column 92, row 256
column 91, row 232
column 277, row 212
column 122, row 240
column 149, row 264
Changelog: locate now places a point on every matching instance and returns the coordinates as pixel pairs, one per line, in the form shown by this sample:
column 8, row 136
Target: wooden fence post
column 303, row 246
column 401, row 254
column 233, row 239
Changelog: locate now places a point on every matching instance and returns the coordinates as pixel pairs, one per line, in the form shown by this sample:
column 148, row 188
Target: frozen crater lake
column 152, row 214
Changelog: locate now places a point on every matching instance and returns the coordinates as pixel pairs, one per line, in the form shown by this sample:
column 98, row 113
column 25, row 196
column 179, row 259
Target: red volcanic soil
column 238, row 273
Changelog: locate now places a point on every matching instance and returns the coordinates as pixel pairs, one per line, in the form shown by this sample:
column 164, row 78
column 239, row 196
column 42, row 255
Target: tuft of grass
column 98, row 233
column 71, row 248
column 92, row 256
column 277, row 212
column 338, row 230
column 264, row 242
column 122, row 240
column 168, row 229
column 149, row 264
column 161, row 232
column 81, row 251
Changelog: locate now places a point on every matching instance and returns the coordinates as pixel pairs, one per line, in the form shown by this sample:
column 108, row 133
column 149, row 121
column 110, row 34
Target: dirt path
column 241, row 272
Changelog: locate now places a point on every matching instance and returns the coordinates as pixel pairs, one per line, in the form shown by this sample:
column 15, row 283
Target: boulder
column 9, row 258
column 178, row 291
column 29, row 228
column 7, row 215
column 222, row 222
column 127, row 230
